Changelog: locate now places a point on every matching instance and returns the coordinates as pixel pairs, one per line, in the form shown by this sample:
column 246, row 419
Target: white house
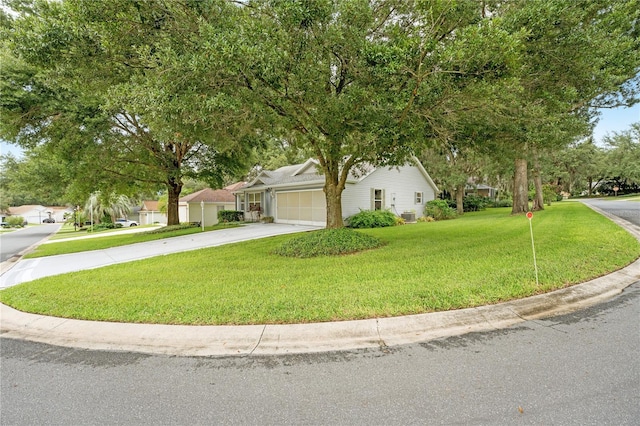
column 150, row 213
column 36, row 213
column 293, row 194
column 204, row 205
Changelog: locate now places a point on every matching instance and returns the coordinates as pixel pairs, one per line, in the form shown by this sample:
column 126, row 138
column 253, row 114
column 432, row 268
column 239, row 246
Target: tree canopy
column 144, row 94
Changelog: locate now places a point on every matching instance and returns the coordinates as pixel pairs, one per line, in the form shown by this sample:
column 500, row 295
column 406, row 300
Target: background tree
column 623, row 158
column 126, row 59
column 579, row 55
column 36, row 178
column 578, row 167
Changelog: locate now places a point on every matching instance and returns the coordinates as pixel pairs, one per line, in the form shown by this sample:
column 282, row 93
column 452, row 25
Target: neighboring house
column 481, row 190
column 36, row 213
column 293, row 194
column 205, row 205
column 149, row 214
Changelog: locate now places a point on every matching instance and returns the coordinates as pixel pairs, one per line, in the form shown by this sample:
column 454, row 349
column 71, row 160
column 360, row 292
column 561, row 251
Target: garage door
column 301, row 207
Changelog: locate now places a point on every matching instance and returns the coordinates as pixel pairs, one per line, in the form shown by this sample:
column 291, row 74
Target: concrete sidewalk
column 278, row 339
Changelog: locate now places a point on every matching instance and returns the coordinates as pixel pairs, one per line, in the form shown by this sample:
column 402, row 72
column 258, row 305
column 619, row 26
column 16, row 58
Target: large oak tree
column 126, row 60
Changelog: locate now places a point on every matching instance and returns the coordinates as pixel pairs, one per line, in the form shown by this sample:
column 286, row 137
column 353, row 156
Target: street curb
column 246, row 340
column 279, row 339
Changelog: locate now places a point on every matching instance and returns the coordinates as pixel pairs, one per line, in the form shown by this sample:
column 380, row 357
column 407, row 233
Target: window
column 254, row 200
column 418, row 197
column 377, row 199
column 241, row 202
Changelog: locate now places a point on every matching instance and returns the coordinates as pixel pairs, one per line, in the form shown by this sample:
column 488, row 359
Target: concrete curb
column 184, row 340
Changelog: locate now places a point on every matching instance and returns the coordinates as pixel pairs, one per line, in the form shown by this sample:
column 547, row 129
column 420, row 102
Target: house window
column 254, row 199
column 377, row 199
column 418, row 197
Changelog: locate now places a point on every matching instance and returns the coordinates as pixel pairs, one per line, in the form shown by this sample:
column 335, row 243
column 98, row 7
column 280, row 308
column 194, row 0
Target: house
column 294, row 194
column 204, row 205
column 36, row 213
column 480, row 189
column 150, row 213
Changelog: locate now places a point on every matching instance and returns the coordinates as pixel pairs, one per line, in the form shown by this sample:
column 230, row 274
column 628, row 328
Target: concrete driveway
column 31, row 269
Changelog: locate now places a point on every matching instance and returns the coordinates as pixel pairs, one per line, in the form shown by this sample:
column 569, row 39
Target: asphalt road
column 580, row 369
column 628, row 210
column 14, row 242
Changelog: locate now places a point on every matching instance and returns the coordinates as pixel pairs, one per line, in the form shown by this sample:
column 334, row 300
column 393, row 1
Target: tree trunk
column 460, row 199
column 538, row 200
column 333, row 194
column 520, row 188
column 174, row 188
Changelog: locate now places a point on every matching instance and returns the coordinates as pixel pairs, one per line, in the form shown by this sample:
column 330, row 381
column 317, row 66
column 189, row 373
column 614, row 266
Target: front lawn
column 479, row 259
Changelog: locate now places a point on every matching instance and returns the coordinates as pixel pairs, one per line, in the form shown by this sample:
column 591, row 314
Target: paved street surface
column 627, row 210
column 14, row 242
column 578, row 369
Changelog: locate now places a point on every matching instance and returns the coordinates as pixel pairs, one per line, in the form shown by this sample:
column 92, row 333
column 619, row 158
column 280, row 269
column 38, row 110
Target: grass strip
column 478, row 259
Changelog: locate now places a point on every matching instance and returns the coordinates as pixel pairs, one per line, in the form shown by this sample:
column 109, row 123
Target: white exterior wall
column 183, row 212
column 399, row 183
column 210, row 212
column 150, row 217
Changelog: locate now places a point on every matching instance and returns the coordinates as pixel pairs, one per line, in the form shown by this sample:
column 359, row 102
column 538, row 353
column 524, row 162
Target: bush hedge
column 327, row 242
column 439, row 210
column 15, row 221
column 474, row 203
column 372, row 219
column 230, row 216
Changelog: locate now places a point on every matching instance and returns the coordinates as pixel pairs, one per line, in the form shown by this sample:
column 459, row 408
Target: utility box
column 408, row 217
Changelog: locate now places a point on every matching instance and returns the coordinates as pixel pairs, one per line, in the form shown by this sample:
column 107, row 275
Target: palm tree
column 110, row 205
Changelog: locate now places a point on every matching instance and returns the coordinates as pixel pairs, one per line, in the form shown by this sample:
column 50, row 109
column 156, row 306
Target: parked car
column 49, row 220
column 126, row 222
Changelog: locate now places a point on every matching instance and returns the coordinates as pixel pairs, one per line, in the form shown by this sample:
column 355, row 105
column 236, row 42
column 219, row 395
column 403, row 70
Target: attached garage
column 301, row 207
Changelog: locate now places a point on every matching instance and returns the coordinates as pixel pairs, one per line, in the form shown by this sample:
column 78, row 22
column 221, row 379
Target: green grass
column 67, row 230
column 480, row 258
column 61, row 246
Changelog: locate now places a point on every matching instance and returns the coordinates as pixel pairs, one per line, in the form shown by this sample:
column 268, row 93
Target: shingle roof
column 235, row 186
column 303, row 173
column 209, row 195
column 18, row 210
column 149, row 206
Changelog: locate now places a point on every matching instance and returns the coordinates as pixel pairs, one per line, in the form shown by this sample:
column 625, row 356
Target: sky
column 615, row 120
column 611, row 120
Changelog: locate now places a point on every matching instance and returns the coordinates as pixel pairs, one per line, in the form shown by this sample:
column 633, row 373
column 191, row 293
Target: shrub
column 327, row 242
column 267, row 219
column 103, row 226
column 426, row 219
column 230, row 216
column 507, row 202
column 372, row 219
column 439, row 210
column 474, row 203
column 15, row 221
